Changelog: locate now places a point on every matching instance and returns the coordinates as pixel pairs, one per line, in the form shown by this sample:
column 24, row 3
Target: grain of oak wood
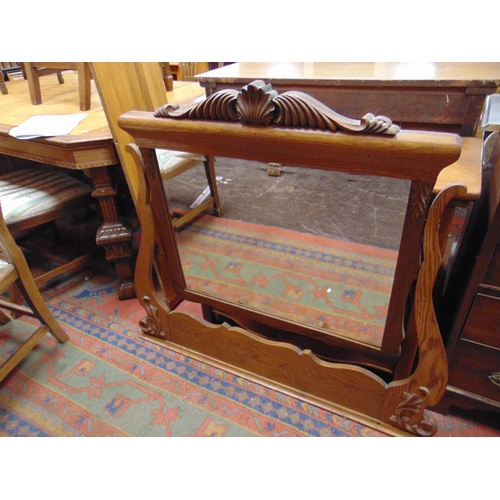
column 417, row 156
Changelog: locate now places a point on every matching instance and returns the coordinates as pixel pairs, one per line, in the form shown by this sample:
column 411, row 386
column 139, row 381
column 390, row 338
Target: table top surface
column 93, row 134
column 361, row 73
column 16, row 107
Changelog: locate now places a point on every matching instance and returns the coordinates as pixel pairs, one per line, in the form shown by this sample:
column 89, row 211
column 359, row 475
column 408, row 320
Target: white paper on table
column 46, row 126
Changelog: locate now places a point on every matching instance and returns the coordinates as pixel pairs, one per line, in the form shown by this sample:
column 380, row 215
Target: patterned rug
column 108, row 381
column 310, row 279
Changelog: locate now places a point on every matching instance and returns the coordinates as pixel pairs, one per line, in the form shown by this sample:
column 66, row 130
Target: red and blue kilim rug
column 310, row 279
column 108, row 381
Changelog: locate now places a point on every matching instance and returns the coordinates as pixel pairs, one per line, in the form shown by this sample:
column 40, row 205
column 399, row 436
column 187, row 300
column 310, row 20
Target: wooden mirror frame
column 286, row 127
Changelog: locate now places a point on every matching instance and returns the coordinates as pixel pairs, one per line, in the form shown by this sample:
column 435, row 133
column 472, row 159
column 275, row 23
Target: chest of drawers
column 473, row 343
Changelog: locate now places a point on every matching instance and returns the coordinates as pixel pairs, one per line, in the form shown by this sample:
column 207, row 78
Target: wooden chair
column 33, row 198
column 174, row 163
column 5, row 69
column 181, row 71
column 35, row 70
column 14, row 271
column 144, row 90
column 388, row 383
column 168, row 78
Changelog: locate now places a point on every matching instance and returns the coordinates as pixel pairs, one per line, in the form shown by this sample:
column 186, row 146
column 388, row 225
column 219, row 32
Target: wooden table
column 446, row 97
column 88, row 148
column 429, row 96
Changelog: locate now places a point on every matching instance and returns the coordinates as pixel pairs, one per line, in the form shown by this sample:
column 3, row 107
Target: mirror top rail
column 296, row 130
column 417, row 155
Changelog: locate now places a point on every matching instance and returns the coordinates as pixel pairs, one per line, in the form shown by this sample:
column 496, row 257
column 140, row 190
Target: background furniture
column 145, row 91
column 89, row 149
column 35, row 70
column 33, row 198
column 168, row 78
column 15, row 272
column 473, row 346
column 429, row 96
column 181, row 71
column 174, row 163
column 490, row 121
column 348, row 371
column 5, row 69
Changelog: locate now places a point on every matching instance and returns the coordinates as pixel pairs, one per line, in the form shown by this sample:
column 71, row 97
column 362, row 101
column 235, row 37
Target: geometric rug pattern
column 108, row 381
column 316, row 281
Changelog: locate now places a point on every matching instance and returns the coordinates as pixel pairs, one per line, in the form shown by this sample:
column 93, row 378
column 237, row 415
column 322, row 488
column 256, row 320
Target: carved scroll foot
column 409, row 414
column 151, row 325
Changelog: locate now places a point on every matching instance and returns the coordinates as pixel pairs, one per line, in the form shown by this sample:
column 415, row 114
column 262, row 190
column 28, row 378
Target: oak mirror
column 322, row 219
column 310, row 248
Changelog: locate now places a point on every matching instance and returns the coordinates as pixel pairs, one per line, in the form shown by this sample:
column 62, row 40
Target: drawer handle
column 495, row 378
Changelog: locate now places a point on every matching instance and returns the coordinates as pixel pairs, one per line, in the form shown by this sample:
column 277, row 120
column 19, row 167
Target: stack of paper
column 47, row 126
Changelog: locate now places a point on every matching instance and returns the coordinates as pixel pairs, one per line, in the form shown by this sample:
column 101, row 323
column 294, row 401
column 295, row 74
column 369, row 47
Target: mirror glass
column 312, row 246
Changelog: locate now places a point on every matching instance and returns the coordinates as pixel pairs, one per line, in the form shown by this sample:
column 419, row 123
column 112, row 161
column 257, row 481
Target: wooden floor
column 16, row 107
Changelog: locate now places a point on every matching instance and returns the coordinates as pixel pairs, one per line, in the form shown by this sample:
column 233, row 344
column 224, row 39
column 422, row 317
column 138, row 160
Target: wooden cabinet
column 473, row 344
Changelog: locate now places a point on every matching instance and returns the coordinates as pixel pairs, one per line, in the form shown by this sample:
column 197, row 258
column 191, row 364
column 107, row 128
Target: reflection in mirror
column 174, row 163
column 313, row 247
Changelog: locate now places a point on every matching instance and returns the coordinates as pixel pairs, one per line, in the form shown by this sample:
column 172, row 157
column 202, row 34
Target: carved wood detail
column 151, row 325
column 57, row 163
column 408, row 408
column 258, row 104
column 148, row 158
column 400, row 403
column 419, row 199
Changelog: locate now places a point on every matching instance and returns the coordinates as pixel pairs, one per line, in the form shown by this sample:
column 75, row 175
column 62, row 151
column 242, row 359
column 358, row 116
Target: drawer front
column 492, row 276
column 476, row 369
column 483, row 323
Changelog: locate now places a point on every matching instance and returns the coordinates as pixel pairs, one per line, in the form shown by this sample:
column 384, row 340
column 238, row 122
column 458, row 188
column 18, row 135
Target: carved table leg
column 112, row 234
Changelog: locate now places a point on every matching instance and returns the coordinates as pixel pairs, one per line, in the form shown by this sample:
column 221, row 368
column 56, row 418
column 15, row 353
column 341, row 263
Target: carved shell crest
column 255, row 104
column 258, row 104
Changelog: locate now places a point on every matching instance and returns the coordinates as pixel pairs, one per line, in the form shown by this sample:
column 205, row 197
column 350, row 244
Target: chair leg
column 16, row 297
column 35, row 301
column 83, row 70
column 21, row 352
column 4, row 318
column 168, row 79
column 3, row 87
column 212, row 183
column 40, row 311
column 33, row 83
